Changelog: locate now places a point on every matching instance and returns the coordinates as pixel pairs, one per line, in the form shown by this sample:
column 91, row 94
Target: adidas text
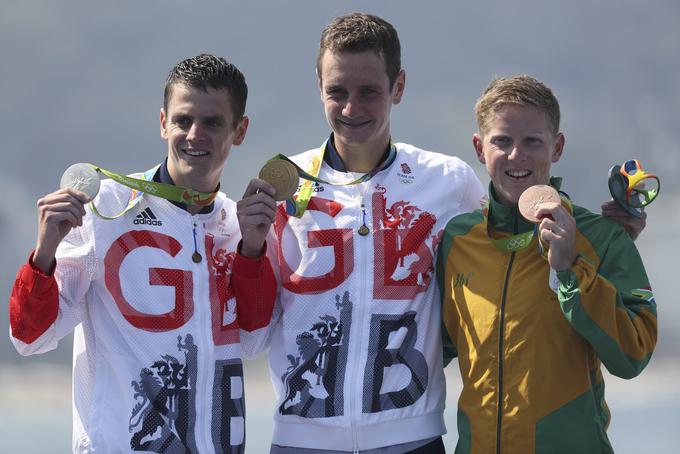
column 146, row 217
column 147, row 221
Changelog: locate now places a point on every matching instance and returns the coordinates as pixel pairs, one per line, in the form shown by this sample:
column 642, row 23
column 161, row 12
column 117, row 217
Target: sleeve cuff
column 248, row 267
column 579, row 272
column 35, row 280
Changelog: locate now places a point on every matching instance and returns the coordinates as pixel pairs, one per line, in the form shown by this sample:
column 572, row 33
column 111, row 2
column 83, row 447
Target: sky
column 82, row 81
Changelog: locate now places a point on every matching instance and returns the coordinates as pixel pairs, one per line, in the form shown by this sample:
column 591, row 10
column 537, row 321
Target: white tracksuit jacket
column 157, row 359
column 356, row 356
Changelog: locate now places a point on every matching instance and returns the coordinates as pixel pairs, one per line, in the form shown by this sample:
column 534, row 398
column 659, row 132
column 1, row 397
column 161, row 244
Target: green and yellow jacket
column 529, row 351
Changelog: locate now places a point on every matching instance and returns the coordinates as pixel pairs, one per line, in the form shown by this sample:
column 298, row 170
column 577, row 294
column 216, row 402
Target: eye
column 183, row 121
column 214, row 122
column 501, row 141
column 369, row 91
column 533, row 141
column 336, row 92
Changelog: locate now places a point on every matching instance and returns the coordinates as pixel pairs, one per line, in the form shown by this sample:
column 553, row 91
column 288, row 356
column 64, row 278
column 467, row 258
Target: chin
column 352, row 139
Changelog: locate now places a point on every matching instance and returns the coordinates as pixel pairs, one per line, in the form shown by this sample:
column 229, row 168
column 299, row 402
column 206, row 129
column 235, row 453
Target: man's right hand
column 58, row 213
column 256, row 212
column 633, row 225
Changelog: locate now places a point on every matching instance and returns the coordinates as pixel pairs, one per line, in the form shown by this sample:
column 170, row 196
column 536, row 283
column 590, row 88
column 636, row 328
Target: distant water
column 35, row 409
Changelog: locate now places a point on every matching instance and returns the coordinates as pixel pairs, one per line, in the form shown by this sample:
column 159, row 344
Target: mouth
column 194, row 153
column 518, row 174
column 353, row 124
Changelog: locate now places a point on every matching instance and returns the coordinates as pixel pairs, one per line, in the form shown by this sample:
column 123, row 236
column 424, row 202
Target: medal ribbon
column 296, row 206
column 146, row 185
column 515, row 242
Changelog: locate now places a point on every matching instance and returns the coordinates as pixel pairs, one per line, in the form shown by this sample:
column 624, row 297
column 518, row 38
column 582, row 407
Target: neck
column 193, row 209
column 206, row 184
column 361, row 158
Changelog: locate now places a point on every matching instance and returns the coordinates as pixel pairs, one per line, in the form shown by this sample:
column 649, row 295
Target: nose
column 516, row 153
column 195, row 131
column 349, row 109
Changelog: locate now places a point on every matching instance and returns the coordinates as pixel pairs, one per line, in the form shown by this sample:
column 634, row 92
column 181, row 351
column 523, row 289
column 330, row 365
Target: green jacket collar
column 506, row 218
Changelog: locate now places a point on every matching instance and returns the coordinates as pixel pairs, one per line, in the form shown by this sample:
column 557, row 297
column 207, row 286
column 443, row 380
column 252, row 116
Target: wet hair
column 519, row 90
column 358, row 32
column 209, row 71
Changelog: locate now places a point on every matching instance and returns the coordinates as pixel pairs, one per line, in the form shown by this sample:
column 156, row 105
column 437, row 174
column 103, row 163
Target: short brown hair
column 205, row 71
column 358, row 32
column 520, row 90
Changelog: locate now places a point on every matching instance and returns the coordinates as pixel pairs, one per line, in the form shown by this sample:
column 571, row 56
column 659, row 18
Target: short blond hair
column 520, row 90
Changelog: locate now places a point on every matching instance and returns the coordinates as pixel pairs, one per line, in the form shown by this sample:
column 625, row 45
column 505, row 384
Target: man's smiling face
column 199, row 128
column 357, row 99
column 517, row 146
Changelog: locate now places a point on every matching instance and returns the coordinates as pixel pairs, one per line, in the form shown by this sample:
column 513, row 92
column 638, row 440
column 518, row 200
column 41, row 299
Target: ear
column 559, row 147
column 164, row 131
column 319, row 83
column 478, row 143
column 240, row 131
column 398, row 87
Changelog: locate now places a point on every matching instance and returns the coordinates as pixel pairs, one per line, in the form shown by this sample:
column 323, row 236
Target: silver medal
column 81, row 177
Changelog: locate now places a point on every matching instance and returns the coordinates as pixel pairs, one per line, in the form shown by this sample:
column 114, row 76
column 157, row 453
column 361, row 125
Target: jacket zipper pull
column 363, row 230
column 196, row 256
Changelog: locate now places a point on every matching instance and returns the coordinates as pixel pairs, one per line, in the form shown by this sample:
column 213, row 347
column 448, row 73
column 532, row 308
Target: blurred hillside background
column 82, row 81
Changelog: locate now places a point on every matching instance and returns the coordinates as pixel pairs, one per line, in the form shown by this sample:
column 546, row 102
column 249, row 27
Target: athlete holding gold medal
column 142, row 270
column 355, row 356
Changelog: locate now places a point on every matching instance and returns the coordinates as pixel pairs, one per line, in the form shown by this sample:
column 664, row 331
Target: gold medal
column 283, row 176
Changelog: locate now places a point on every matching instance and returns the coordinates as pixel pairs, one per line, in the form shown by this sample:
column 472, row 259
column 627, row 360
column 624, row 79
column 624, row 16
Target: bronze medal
column 533, row 198
column 363, row 230
column 283, row 176
column 196, row 257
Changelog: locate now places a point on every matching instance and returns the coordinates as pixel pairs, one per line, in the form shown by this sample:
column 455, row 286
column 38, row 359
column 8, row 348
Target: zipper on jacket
column 361, row 248
column 199, row 310
column 501, row 345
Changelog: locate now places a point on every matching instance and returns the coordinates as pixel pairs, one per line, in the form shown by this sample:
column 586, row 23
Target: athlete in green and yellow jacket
column 529, row 340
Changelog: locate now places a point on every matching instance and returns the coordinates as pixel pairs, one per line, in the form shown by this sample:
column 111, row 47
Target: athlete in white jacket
column 151, row 294
column 356, row 356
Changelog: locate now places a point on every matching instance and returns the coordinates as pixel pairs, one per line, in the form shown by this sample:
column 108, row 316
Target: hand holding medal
column 542, row 205
column 62, row 210
column 277, row 181
column 283, row 176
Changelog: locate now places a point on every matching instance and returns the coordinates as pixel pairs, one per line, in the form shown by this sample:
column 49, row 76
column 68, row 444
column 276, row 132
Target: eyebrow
column 343, row 87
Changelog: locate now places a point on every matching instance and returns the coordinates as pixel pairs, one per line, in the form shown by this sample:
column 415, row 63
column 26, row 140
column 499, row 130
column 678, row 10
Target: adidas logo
column 147, row 217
